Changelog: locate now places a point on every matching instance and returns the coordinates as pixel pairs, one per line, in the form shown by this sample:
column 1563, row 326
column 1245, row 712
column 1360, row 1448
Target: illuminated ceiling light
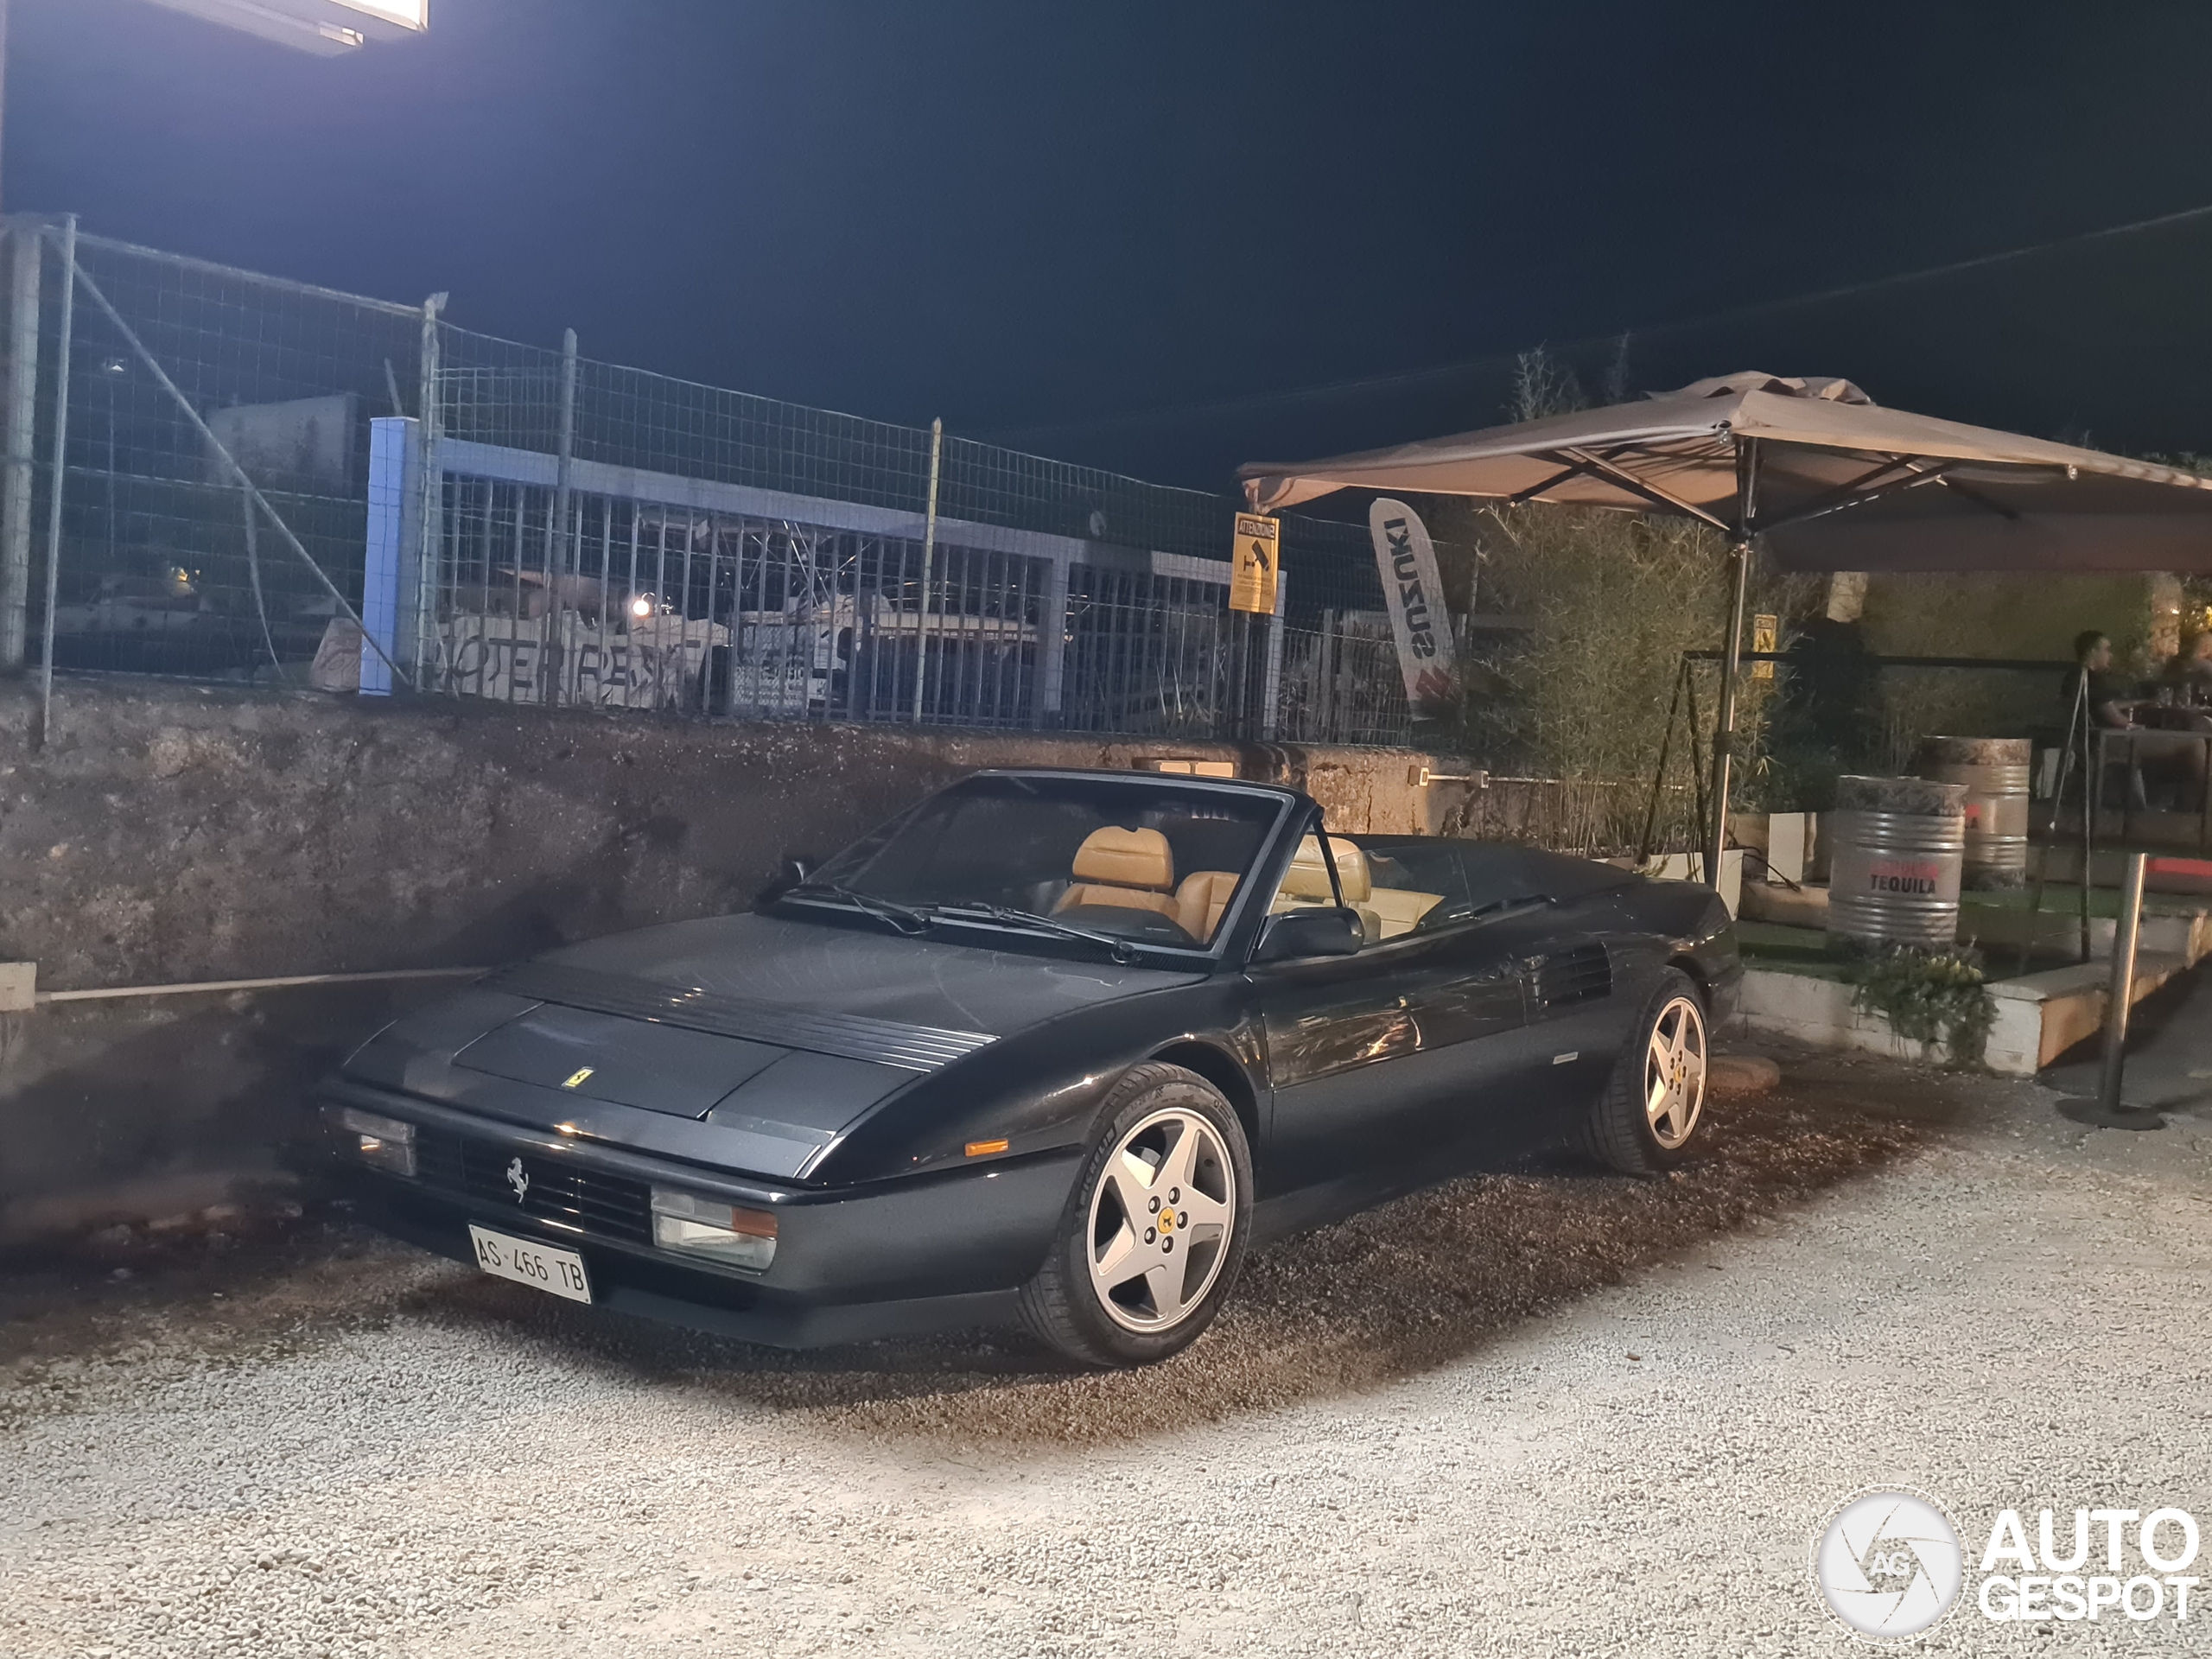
column 325, row 27
column 407, row 14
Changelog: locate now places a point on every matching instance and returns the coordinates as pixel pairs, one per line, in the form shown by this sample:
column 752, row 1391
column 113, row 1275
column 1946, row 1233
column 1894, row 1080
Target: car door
column 1343, row 1053
column 1371, row 1055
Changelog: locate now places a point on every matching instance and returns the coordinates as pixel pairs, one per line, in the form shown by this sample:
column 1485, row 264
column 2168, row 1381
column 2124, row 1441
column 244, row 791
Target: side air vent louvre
column 1581, row 974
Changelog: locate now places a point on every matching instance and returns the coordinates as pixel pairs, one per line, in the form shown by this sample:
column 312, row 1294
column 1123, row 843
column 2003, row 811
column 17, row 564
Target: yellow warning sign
column 1252, row 579
column 1766, row 634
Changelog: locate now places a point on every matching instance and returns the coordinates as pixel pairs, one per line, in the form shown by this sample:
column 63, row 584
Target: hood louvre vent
column 852, row 1036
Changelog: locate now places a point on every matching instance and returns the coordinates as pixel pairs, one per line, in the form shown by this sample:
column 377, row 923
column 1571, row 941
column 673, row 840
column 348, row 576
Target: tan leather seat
column 1201, row 900
column 1134, row 868
column 1306, row 881
column 1401, row 908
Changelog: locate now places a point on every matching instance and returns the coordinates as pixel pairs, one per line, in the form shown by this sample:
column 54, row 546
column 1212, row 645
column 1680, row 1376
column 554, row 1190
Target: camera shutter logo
column 1888, row 1564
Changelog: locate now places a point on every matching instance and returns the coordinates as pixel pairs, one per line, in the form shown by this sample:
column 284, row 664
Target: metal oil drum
column 1995, row 771
column 1899, row 849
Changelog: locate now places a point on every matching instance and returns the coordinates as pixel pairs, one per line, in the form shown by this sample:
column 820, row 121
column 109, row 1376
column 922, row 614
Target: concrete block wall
column 173, row 833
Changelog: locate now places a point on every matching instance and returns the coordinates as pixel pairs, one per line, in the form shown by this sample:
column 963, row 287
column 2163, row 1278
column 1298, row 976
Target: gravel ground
column 1527, row 1413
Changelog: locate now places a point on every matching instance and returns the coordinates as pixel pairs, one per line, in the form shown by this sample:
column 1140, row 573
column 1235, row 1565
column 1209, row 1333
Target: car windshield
column 1091, row 861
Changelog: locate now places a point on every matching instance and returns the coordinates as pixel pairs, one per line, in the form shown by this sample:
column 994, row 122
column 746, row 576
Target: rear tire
column 1648, row 1118
column 1154, row 1230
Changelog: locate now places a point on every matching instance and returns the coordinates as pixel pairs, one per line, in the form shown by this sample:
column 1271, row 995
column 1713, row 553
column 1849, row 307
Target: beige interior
column 1384, row 912
column 1401, row 908
column 1201, row 900
column 1308, row 879
column 1134, row 868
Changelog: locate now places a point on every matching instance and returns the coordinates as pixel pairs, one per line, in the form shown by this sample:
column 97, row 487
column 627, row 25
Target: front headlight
column 382, row 1142
column 726, row 1233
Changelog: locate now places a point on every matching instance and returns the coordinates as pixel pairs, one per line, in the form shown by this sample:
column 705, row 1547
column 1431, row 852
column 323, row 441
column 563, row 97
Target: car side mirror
column 796, row 869
column 1318, row 931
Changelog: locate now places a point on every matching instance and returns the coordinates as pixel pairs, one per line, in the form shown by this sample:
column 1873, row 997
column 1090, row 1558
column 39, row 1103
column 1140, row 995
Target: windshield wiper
column 905, row 918
column 1122, row 951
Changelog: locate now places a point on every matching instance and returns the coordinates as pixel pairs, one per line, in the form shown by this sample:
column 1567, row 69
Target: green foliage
column 1928, row 997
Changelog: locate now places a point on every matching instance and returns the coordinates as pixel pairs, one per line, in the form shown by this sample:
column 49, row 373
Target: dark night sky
column 1028, row 218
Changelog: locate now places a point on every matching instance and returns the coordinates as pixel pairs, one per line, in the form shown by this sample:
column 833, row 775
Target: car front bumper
column 936, row 1252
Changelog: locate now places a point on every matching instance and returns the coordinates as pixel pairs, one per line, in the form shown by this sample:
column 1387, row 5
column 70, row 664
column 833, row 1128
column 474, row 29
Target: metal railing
column 226, row 512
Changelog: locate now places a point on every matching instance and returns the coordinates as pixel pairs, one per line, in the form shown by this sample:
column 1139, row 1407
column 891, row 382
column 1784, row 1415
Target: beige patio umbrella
column 1821, row 476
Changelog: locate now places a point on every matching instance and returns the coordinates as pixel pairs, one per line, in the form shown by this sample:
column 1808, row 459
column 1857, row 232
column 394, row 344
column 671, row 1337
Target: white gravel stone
column 384, row 1456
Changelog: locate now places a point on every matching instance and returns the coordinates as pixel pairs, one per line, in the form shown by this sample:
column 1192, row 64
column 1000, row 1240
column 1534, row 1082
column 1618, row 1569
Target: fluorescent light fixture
column 407, row 14
column 325, row 27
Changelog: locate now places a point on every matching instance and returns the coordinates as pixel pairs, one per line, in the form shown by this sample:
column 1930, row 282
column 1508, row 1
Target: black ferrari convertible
column 1052, row 1046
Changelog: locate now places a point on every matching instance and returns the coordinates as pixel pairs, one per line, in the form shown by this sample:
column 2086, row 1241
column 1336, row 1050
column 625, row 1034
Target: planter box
column 2039, row 1016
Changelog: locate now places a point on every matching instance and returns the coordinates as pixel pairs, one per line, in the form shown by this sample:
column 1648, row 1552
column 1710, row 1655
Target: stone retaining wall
column 173, row 833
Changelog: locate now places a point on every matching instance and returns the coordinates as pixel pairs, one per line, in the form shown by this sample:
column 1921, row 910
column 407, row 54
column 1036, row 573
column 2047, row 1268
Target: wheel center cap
column 1168, row 1221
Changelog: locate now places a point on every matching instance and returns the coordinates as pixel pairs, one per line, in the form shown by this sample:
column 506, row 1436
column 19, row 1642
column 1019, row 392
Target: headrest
column 1126, row 858
column 1308, row 878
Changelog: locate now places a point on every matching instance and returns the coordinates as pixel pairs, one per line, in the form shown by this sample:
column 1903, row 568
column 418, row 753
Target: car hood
column 749, row 1041
column 862, row 971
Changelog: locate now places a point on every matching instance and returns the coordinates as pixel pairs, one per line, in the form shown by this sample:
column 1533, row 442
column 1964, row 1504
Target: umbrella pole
column 1723, row 724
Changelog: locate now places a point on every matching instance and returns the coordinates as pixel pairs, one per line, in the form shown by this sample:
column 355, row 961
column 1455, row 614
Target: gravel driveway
column 1524, row 1414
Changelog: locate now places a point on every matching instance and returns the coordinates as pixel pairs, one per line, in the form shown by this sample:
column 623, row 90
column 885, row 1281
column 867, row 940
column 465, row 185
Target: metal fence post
column 929, row 563
column 553, row 652
column 1271, row 686
column 391, row 565
column 1051, row 644
column 21, row 434
column 564, row 453
column 429, row 526
column 61, row 471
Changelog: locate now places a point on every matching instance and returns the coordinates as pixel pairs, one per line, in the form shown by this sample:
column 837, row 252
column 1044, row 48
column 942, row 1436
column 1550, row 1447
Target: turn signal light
column 985, row 1149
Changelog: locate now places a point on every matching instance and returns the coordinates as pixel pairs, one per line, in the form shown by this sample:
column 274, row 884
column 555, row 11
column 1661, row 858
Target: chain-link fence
column 164, row 566
column 575, row 532
column 568, row 530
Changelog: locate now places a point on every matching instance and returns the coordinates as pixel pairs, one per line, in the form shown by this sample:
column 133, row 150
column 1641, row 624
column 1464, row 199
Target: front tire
column 1154, row 1230
column 1654, row 1104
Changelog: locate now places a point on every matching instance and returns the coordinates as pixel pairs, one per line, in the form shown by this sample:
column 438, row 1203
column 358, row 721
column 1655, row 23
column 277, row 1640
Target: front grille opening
column 546, row 1189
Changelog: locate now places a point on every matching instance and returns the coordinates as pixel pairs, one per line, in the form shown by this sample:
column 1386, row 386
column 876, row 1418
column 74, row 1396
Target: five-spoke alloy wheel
column 1156, row 1228
column 1673, row 1071
column 1649, row 1115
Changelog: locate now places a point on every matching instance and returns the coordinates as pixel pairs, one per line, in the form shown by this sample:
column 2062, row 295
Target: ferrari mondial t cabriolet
column 1056, row 1047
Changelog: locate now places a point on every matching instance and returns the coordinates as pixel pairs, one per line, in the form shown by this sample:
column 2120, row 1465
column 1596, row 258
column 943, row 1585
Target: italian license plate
column 529, row 1263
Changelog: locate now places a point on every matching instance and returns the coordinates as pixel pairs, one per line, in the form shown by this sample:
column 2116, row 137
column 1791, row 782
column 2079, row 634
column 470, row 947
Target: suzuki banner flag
column 1406, row 561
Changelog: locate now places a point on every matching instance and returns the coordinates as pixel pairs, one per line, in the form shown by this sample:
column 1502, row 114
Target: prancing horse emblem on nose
column 519, row 1179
